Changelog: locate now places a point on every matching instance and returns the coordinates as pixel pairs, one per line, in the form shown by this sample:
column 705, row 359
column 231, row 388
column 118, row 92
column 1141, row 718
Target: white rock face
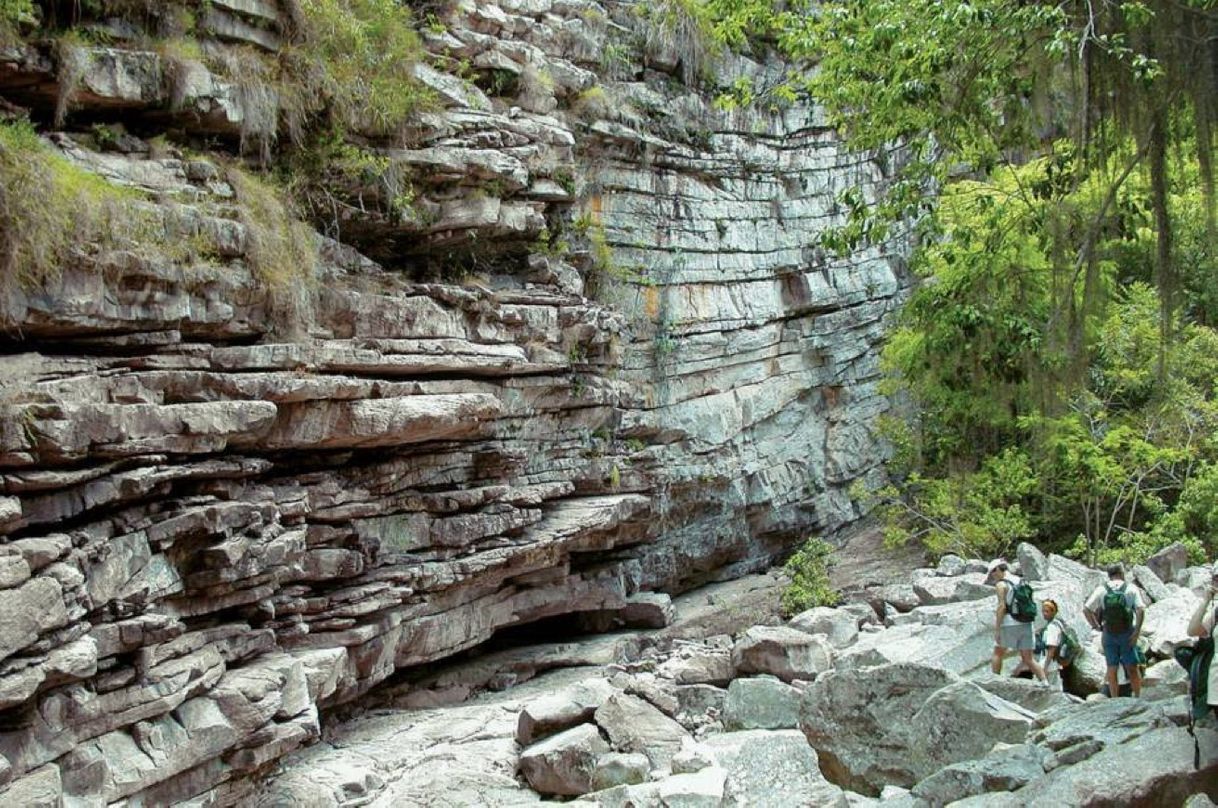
column 571, row 353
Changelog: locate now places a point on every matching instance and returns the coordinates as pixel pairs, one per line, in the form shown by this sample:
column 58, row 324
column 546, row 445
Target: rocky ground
column 884, row 700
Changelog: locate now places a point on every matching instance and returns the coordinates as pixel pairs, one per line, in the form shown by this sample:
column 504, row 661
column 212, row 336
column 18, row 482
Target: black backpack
column 1116, row 615
column 1196, row 659
column 1023, row 602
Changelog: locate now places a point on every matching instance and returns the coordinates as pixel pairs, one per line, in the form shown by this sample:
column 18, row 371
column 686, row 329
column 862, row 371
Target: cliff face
column 231, row 500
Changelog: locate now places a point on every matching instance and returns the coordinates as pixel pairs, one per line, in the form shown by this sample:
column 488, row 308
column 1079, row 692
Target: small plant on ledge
column 810, row 585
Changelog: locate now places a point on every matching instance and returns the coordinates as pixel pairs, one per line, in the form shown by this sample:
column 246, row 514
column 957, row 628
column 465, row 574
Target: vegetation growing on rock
column 809, row 571
column 49, row 207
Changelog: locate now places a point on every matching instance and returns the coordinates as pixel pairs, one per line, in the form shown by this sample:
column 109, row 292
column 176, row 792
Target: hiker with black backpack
column 1013, row 620
column 1202, row 625
column 1115, row 609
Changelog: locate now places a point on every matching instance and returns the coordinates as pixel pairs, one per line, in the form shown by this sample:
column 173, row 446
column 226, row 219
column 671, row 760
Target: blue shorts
column 1118, row 649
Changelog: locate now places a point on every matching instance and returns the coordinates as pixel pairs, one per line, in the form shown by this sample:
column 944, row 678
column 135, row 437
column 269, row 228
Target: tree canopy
column 1055, row 163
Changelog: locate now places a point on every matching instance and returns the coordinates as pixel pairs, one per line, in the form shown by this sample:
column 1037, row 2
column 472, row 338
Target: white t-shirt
column 1053, row 634
column 1011, row 582
column 1133, row 597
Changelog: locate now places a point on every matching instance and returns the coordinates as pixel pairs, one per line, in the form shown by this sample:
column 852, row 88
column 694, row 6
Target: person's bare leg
column 1135, row 680
column 996, row 660
column 1113, row 689
column 1028, row 663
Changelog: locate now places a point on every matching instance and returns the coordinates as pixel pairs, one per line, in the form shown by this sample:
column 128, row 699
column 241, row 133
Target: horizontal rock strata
column 228, row 503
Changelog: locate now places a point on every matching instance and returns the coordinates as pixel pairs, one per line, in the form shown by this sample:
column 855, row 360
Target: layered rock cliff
column 593, row 352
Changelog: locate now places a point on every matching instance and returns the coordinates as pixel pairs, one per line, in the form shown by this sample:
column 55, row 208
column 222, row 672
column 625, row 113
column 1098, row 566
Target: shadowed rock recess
column 595, row 355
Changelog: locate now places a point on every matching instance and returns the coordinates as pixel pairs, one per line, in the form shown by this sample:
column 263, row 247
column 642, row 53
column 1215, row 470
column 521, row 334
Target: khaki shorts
column 1019, row 638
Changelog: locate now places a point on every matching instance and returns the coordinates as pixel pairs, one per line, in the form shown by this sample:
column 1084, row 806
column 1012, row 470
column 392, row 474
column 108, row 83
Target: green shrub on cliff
column 12, row 14
column 48, row 206
column 810, row 585
column 354, row 60
column 281, row 250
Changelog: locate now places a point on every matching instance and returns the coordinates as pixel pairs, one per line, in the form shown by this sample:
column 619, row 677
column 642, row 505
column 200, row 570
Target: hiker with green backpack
column 1116, row 610
column 1013, row 620
column 1056, row 644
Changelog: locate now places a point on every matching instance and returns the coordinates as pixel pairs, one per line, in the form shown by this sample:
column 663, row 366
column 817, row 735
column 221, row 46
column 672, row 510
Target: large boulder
column 1166, row 623
column 1155, row 768
column 1168, row 562
column 620, row 768
column 556, row 712
column 859, row 723
column 698, row 665
column 1027, row 693
column 761, row 703
column 1150, row 583
column 783, row 652
column 1004, row 768
column 957, row 637
column 1164, row 680
column 1033, row 564
column 634, row 725
column 1097, row 724
column 701, row 789
column 563, row 764
column 959, row 721
column 775, row 769
column 839, row 625
column 1078, row 578
column 951, row 565
column 900, row 597
column 937, row 591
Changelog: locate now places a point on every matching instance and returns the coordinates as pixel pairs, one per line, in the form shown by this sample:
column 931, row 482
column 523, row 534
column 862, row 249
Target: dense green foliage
column 810, row 585
column 353, row 61
column 1052, row 163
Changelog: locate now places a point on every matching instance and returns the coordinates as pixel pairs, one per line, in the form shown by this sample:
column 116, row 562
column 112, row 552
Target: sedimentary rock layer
column 228, row 502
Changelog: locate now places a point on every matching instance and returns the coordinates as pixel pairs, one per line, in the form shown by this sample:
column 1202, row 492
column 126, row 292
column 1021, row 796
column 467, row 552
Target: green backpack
column 1116, row 614
column 1069, row 649
column 1023, row 602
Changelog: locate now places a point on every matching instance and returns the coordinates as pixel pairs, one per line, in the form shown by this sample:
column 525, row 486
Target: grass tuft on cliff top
column 281, row 249
column 47, row 205
column 354, row 60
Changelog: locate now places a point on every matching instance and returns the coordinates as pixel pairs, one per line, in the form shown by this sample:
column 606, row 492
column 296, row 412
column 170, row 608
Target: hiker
column 1012, row 620
column 1053, row 644
column 1116, row 610
column 1202, row 625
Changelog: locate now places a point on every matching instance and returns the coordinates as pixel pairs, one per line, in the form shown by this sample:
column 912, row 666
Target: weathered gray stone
column 633, row 725
column 1032, row 562
column 1005, row 768
column 1155, row 768
column 950, row 566
column 760, row 703
column 1150, row 583
column 1168, row 562
column 1108, row 721
column 958, row 720
column 701, row 789
column 859, row 724
column 25, row 612
column 618, row 769
column 776, row 768
column 783, row 652
column 563, row 764
column 839, row 625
